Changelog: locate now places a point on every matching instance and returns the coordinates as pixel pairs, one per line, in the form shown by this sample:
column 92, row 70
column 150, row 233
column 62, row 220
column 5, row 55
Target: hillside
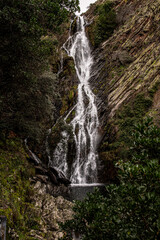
column 39, row 89
column 124, row 36
column 126, row 74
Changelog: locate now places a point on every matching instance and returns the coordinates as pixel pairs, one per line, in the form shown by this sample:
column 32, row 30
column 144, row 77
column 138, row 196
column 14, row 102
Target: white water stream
column 85, row 123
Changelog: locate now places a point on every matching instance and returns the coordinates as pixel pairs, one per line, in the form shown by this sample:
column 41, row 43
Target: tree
column 23, row 22
column 130, row 210
column 24, row 52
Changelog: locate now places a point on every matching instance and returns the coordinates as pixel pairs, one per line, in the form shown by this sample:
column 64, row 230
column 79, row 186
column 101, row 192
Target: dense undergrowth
column 130, row 209
column 15, row 188
column 126, row 118
column 117, row 139
column 30, row 36
column 28, row 39
column 103, row 25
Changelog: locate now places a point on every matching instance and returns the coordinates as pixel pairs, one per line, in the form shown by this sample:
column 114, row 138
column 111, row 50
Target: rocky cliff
column 126, row 71
column 129, row 61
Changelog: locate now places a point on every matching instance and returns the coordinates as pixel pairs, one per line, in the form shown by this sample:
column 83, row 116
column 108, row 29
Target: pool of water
column 79, row 191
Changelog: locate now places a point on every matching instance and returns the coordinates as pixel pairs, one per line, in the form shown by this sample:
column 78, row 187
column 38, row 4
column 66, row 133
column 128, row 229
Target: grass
column 15, row 188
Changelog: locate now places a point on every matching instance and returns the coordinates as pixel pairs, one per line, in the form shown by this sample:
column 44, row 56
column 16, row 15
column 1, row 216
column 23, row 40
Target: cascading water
column 85, row 123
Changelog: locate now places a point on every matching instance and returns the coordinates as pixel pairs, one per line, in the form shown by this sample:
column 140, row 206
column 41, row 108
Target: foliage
column 118, row 134
column 30, row 109
column 104, row 24
column 130, row 114
column 15, row 188
column 24, row 57
column 23, row 22
column 130, row 209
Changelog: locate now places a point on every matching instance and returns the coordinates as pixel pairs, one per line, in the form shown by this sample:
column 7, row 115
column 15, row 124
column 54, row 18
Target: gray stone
column 122, row 56
column 51, row 210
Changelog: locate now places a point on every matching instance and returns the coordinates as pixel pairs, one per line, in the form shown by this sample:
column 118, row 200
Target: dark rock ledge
column 54, row 180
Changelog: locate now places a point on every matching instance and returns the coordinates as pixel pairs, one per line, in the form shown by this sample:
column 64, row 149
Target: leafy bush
column 27, row 102
column 131, row 209
column 104, row 24
column 23, row 22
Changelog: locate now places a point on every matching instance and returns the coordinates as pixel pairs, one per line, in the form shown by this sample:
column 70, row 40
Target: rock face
column 126, row 65
column 51, row 210
column 128, row 62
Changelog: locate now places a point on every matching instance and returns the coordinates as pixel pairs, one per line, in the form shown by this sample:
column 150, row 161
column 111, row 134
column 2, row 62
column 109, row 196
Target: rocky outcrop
column 55, row 176
column 128, row 62
column 51, row 211
column 126, row 70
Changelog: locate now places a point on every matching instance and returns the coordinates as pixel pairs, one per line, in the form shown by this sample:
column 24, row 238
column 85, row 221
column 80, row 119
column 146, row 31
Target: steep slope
column 30, row 103
column 126, row 72
column 129, row 61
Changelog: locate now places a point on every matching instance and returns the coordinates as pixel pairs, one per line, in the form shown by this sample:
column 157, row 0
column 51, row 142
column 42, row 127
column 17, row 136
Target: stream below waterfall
column 85, row 122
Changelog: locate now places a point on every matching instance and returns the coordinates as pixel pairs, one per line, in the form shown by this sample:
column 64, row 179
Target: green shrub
column 129, row 115
column 131, row 209
column 104, row 24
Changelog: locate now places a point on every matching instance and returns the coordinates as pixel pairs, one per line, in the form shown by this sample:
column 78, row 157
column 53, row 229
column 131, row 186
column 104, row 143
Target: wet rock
column 54, row 171
column 53, row 178
column 64, row 181
column 59, row 175
column 51, row 174
column 41, row 170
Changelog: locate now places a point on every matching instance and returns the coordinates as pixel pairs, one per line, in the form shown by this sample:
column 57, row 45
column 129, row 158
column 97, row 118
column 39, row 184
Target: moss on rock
column 15, row 188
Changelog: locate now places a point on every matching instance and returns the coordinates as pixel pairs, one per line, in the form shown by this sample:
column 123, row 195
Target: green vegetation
column 15, row 188
column 29, row 99
column 130, row 114
column 130, row 209
column 24, row 56
column 22, row 25
column 29, row 109
column 117, row 139
column 154, row 88
column 67, row 84
column 104, row 24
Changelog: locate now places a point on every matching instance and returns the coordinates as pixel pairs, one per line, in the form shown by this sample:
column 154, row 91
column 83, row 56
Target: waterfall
column 85, row 123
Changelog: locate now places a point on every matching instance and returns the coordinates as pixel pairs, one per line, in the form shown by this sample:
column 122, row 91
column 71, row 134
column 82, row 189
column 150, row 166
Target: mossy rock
column 57, row 134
